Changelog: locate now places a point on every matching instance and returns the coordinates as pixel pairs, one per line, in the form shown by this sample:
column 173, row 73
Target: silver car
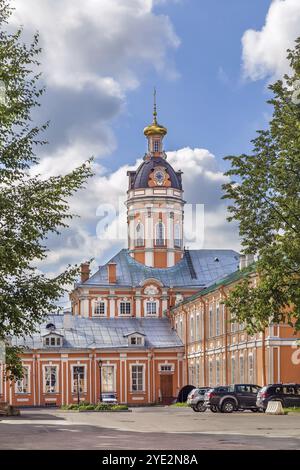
column 195, row 399
column 109, row 398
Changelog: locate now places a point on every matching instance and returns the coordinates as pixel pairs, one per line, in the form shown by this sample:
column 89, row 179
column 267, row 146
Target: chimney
column 67, row 320
column 249, row 260
column 85, row 272
column 242, row 262
column 112, row 273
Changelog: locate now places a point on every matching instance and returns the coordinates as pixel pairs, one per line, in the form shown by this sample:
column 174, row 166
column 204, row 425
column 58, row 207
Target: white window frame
column 250, row 369
column 138, row 338
column 218, row 323
column 151, row 302
column 166, row 367
column 197, row 373
column 56, row 382
column 191, row 374
column 192, row 329
column 160, row 234
column 218, row 371
column 198, row 328
column 181, row 328
column 210, row 373
column 113, row 366
column 210, row 321
column 48, row 339
column 122, row 302
column 241, row 369
column 73, row 367
column 143, row 378
column 95, row 304
column 233, row 369
column 177, row 235
column 21, row 382
column 139, row 235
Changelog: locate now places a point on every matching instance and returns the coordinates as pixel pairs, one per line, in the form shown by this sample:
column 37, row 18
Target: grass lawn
column 292, row 410
column 180, row 405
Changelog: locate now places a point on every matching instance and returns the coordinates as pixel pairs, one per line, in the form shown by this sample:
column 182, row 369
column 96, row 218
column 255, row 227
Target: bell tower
column 155, row 204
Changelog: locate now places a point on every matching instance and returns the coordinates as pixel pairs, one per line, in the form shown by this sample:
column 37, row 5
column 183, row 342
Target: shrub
column 119, row 407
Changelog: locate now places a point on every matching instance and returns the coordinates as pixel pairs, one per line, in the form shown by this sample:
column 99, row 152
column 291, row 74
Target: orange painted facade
column 157, row 366
column 219, row 352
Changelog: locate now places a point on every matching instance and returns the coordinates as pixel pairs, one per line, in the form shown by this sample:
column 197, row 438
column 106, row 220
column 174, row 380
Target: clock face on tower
column 159, row 176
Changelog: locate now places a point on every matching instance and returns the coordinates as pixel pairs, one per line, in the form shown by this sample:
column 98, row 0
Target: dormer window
column 136, row 340
column 53, row 341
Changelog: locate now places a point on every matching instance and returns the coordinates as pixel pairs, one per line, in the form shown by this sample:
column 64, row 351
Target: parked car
column 110, row 398
column 287, row 394
column 195, row 399
column 232, row 398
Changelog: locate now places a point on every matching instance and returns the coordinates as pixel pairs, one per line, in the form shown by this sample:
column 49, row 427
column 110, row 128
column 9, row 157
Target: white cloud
column 264, row 51
column 98, row 43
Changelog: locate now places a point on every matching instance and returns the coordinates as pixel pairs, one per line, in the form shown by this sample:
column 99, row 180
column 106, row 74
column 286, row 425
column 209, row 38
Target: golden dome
column 155, row 128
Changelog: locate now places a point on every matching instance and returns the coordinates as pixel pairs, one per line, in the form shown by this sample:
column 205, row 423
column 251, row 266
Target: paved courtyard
column 149, row 428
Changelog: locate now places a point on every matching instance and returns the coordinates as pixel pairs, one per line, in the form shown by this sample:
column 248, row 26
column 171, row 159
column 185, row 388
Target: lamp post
column 100, row 377
column 77, row 378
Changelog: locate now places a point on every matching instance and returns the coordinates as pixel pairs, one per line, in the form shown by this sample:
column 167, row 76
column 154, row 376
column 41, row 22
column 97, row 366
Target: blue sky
column 210, row 60
column 209, row 105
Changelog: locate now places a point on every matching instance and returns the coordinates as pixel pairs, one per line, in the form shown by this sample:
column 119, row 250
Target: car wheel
column 195, row 409
column 201, row 407
column 214, row 409
column 228, row 406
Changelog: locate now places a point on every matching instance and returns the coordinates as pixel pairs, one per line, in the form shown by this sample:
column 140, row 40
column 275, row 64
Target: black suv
column 232, row 398
column 287, row 394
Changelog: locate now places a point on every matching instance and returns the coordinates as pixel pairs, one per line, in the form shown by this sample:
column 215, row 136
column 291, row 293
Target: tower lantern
column 155, row 133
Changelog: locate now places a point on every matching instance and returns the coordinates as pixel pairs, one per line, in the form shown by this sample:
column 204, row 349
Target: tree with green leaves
column 31, row 207
column 264, row 191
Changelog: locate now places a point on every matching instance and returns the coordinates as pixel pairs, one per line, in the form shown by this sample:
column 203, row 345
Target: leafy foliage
column 91, row 407
column 30, row 206
column 265, row 190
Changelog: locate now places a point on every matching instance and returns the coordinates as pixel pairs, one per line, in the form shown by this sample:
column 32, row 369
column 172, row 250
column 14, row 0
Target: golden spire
column 155, row 128
column 154, row 106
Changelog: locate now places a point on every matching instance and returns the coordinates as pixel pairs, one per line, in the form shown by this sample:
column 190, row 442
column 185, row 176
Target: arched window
column 156, row 146
column 160, row 234
column 139, row 234
column 177, row 235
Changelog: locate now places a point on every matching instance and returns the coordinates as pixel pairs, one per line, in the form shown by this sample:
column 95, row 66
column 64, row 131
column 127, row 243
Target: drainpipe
column 186, row 347
column 204, row 340
column 222, row 290
column 263, row 349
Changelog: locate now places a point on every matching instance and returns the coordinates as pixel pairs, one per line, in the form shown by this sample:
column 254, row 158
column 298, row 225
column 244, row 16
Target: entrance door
column 166, row 388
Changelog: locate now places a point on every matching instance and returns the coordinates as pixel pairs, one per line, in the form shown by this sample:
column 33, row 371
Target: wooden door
column 166, row 388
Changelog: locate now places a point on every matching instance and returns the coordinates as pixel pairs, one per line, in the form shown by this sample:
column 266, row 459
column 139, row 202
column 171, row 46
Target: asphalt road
column 163, row 429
